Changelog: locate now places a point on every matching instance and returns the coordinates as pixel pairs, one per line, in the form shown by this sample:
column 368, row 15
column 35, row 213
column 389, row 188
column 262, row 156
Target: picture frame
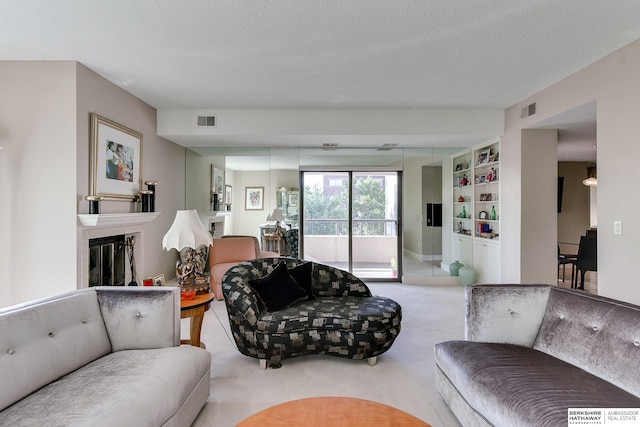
column 492, row 159
column 458, row 167
column 483, row 157
column 293, row 200
column 254, row 198
column 227, row 194
column 481, row 179
column 217, row 180
column 159, row 280
column 115, row 159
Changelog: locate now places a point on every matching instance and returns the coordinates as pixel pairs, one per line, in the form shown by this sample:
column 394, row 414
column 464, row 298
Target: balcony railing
column 361, row 227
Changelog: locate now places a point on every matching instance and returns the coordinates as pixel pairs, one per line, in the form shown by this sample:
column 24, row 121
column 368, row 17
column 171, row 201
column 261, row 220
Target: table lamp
column 189, row 236
column 278, row 217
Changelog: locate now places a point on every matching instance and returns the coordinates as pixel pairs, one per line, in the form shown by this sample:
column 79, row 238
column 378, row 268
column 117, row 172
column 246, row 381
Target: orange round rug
column 332, row 411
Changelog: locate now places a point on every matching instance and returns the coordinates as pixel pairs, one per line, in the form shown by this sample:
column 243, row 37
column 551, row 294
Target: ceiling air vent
column 207, row 121
column 329, row 147
column 527, row 111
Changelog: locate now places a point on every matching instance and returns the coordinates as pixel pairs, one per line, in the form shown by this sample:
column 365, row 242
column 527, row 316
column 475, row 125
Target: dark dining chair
column 587, row 258
column 564, row 260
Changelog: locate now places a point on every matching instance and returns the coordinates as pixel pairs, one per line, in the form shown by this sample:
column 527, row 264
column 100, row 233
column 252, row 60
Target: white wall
column 613, row 83
column 37, row 180
column 245, row 222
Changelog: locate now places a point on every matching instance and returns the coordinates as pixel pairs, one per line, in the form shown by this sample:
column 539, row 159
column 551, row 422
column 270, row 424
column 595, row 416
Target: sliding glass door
column 350, row 220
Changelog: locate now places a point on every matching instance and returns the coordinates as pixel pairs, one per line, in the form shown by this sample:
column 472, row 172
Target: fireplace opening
column 107, row 261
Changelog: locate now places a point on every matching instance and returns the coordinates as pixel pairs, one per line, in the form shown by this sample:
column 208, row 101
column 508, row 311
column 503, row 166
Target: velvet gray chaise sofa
column 337, row 315
column 103, row 356
column 533, row 351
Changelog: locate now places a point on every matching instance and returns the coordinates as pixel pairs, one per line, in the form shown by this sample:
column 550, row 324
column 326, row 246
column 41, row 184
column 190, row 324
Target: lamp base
column 190, row 270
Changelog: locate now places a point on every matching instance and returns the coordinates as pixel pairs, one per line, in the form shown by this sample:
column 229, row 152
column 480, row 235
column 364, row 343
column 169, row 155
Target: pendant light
column 591, row 181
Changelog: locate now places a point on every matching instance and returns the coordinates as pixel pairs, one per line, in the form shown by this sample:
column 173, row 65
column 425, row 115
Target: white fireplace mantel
column 116, row 219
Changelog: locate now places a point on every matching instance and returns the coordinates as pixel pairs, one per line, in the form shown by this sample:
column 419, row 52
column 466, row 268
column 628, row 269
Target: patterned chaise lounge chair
column 337, row 315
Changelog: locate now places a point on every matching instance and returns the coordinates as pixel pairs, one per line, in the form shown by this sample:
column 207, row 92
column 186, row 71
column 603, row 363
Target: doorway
column 351, row 220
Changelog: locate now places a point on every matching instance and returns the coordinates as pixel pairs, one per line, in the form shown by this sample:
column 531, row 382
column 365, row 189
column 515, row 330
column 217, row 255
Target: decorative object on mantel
column 115, row 159
column 215, row 202
column 190, row 237
column 94, row 204
column 151, row 186
column 146, row 196
column 130, row 244
column 116, row 219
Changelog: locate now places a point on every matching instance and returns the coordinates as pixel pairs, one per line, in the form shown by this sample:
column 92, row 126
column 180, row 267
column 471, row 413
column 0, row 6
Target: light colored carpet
column 403, row 377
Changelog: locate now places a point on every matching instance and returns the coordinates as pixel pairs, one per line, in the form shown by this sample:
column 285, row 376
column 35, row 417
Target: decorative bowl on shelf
column 187, row 294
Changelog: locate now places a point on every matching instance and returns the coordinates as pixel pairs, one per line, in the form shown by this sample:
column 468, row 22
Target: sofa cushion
column 356, row 314
column 302, row 274
column 232, row 249
column 45, row 339
column 514, row 385
column 125, row 388
column 219, row 270
column 600, row 335
column 278, row 290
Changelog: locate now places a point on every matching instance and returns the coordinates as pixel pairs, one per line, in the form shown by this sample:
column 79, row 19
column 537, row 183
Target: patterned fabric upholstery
column 344, row 320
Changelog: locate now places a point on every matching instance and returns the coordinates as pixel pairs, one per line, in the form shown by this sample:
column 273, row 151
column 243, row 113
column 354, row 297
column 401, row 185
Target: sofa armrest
column 140, row 317
column 505, row 313
column 240, row 298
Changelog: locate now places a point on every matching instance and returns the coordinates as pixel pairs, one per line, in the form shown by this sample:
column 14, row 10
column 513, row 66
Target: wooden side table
column 194, row 309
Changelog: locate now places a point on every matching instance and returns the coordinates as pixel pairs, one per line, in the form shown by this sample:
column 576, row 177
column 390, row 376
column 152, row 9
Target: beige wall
column 162, row 161
column 44, row 135
column 574, row 218
column 37, row 180
column 539, row 198
column 613, row 83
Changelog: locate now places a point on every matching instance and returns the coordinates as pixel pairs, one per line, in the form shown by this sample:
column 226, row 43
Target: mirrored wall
column 257, row 189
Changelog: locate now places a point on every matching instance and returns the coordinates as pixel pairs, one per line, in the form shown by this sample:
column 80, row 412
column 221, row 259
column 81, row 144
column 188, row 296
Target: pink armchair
column 229, row 251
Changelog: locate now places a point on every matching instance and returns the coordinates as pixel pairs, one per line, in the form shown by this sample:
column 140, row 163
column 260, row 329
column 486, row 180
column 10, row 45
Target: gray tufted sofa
column 534, row 351
column 104, row 356
column 343, row 320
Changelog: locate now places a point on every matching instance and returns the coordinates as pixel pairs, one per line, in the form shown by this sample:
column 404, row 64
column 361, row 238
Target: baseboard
column 431, row 281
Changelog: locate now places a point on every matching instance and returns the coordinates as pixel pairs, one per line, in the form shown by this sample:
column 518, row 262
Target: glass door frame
column 399, row 229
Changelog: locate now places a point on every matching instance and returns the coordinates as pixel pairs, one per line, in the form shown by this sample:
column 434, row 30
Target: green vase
column 467, row 275
column 454, row 267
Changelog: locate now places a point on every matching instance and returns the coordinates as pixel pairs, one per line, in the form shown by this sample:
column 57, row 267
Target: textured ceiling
column 322, row 54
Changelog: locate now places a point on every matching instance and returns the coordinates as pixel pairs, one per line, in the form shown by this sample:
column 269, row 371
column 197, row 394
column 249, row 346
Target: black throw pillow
column 278, row 290
column 302, row 275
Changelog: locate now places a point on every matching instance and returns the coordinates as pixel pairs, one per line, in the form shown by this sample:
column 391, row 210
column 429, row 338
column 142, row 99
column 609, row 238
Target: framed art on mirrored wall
column 254, row 198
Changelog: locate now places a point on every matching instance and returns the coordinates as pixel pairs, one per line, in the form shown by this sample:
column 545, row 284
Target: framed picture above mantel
column 115, row 159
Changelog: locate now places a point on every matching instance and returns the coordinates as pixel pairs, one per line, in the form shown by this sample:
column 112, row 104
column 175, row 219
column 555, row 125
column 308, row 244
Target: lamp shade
column 277, row 215
column 187, row 231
